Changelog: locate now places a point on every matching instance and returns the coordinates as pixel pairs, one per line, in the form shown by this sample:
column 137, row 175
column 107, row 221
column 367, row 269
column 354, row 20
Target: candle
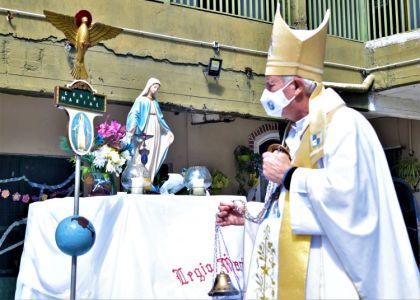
column 199, row 191
column 198, row 187
column 197, row 182
column 137, row 181
column 137, row 185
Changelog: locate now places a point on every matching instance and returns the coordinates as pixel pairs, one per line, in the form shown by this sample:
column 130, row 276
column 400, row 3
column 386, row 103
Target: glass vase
column 103, row 184
column 135, row 178
column 197, row 179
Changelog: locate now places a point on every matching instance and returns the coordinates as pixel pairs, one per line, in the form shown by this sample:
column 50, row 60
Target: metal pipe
column 77, row 185
column 73, row 277
column 232, row 48
column 343, row 66
column 410, row 140
column 353, row 87
column 156, row 35
column 392, row 66
column 23, row 13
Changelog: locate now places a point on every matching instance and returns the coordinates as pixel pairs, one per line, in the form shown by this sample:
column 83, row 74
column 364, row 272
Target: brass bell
column 223, row 286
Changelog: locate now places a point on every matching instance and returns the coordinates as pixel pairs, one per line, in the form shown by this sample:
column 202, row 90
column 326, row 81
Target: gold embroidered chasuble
column 294, row 249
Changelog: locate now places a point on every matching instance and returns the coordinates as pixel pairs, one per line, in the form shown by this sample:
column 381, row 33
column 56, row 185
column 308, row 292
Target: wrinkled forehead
column 273, row 79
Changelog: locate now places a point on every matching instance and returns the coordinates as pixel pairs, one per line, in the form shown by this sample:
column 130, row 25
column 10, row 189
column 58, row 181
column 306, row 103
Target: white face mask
column 275, row 102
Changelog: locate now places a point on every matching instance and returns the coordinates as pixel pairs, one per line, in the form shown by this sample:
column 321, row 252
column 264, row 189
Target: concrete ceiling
column 401, row 102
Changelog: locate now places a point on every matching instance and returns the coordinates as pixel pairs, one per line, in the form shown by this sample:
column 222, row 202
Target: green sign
column 80, row 99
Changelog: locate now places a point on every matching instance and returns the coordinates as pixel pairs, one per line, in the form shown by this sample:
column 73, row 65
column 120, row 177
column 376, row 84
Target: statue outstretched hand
column 230, row 213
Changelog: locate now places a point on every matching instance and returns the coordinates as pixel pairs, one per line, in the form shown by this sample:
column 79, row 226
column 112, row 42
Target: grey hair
column 310, row 85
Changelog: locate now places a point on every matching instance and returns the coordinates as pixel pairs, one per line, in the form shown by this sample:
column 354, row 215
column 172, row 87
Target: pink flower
column 110, row 137
column 114, row 130
column 114, row 127
column 103, row 130
column 5, row 193
column 16, row 196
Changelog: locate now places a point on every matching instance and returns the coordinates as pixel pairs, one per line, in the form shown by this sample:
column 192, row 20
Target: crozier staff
column 336, row 230
column 145, row 118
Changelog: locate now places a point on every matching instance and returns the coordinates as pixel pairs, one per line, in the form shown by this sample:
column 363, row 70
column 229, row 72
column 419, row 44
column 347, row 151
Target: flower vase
column 103, row 184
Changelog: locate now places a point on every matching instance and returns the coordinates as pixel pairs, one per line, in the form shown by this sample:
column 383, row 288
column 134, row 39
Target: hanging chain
column 228, row 256
column 273, row 189
column 216, row 250
column 269, row 199
column 218, row 254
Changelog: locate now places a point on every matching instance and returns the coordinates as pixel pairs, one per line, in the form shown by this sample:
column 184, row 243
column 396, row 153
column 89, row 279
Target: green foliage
column 219, row 180
column 248, row 166
column 64, row 144
column 241, row 150
column 87, row 160
column 87, row 166
column 409, row 169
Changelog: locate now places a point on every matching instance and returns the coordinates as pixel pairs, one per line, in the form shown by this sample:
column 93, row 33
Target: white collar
column 300, row 126
column 294, row 136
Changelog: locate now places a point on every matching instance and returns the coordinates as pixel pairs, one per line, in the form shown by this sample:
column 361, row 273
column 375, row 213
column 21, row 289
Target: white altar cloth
column 147, row 247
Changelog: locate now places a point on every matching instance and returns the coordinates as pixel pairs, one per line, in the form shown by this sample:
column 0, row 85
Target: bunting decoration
column 56, row 190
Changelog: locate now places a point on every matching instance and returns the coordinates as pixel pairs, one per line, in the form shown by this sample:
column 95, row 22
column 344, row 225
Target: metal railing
column 365, row 20
column 263, row 10
column 360, row 20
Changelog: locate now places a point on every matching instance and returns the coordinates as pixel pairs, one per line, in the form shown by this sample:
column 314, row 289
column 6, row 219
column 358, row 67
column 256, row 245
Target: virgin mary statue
column 145, row 123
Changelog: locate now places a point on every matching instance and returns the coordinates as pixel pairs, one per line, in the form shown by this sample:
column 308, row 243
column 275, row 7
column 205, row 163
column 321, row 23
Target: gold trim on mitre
column 297, row 52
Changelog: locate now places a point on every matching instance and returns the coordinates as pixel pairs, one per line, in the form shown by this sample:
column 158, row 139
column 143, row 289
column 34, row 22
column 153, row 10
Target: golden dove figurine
column 81, row 33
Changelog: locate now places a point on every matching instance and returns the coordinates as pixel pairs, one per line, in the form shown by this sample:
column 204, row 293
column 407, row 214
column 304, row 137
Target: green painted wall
column 33, row 59
column 33, row 56
column 347, row 52
column 399, row 51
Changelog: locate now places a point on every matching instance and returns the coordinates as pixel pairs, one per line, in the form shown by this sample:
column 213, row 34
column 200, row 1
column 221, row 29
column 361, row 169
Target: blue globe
column 75, row 235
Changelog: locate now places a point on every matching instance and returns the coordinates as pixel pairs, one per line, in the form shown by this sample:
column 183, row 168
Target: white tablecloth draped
column 147, row 247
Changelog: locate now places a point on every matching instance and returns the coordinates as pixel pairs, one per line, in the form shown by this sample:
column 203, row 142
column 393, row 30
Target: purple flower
column 25, row 198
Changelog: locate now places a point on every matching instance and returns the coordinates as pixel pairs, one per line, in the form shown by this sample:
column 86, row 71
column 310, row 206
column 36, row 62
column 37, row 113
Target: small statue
column 145, row 122
column 82, row 34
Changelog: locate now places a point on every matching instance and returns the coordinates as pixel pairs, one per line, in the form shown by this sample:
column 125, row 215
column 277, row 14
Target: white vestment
column 360, row 247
